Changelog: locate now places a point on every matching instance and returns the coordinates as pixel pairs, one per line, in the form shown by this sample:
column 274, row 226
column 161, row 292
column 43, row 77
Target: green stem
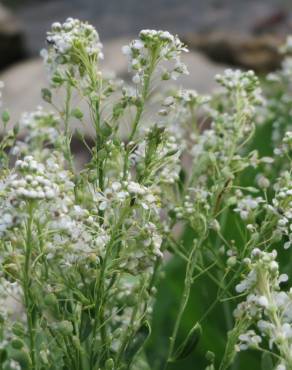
column 184, row 300
column 27, row 280
column 100, row 296
column 128, row 333
column 67, row 112
column 140, row 108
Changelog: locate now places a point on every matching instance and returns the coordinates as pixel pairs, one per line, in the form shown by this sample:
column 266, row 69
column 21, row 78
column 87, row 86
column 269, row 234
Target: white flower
column 281, row 367
column 246, row 206
column 249, row 340
column 135, row 188
column 263, row 301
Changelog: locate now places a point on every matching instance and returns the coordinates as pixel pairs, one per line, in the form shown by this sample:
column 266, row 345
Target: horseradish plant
column 82, row 251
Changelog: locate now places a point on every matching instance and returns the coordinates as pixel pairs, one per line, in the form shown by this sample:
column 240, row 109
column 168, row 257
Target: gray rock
column 116, row 18
column 11, row 38
column 256, row 52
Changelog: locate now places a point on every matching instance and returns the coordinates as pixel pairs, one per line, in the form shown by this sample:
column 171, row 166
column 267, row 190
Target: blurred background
column 220, row 33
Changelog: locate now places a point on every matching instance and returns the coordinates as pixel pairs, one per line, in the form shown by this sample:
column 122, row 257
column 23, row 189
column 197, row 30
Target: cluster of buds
column 71, row 46
column 151, row 48
column 267, row 306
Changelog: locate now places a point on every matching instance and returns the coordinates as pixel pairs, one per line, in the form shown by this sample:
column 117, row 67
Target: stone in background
column 12, row 47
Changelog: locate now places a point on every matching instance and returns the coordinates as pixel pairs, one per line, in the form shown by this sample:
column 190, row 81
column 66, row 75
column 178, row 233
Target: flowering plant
column 84, row 250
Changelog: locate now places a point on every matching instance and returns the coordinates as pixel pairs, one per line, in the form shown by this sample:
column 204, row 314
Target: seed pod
column 77, row 113
column 46, row 95
column 138, row 341
column 50, row 300
column 109, row 364
column 64, row 327
column 22, row 357
column 189, row 344
column 17, row 343
column 18, row 329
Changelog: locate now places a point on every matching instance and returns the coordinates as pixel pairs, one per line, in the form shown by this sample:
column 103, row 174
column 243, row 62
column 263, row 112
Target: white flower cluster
column 137, row 205
column 284, row 75
column 92, row 243
column 286, row 146
column 153, row 47
column 74, row 33
column 287, row 47
column 195, row 206
column 11, row 311
column 69, row 43
column 247, row 206
column 118, row 192
column 287, row 139
column 6, row 220
column 216, row 151
column 40, row 128
column 14, row 365
column 278, row 110
column 76, row 238
column 144, row 195
column 191, row 98
column 34, row 182
column 244, row 82
column 266, row 305
column 72, row 232
column 179, row 115
column 140, row 254
column 246, row 85
column 281, row 208
column 10, row 293
column 249, row 340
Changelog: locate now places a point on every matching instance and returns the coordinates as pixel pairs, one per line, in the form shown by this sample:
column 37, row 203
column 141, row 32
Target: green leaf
column 189, row 344
column 64, row 327
column 50, row 302
column 109, row 364
column 138, row 341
